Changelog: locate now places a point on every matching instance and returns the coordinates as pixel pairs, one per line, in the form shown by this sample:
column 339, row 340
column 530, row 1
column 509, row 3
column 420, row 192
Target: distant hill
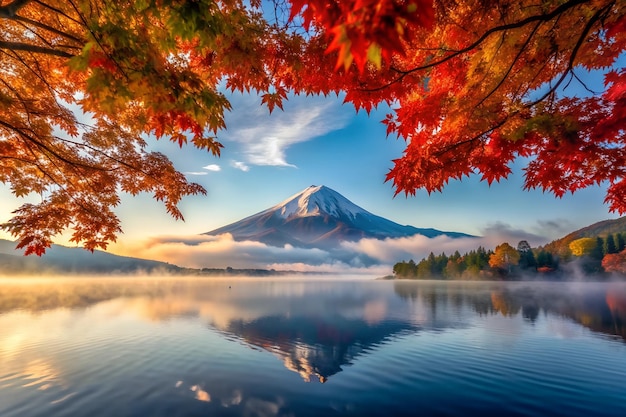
column 319, row 217
column 599, row 229
column 61, row 259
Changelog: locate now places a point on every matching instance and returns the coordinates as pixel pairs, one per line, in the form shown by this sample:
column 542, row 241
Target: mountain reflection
column 316, row 328
column 315, row 345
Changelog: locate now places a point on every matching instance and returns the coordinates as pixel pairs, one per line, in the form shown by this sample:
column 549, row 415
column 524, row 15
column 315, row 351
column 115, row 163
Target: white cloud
column 212, row 167
column 195, row 173
column 268, row 151
column 390, row 251
column 199, row 251
column 266, row 137
column 366, row 256
column 240, row 165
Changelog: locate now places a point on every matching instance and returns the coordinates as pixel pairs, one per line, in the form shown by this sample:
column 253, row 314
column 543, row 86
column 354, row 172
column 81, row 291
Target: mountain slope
column 61, row 259
column 602, row 229
column 318, row 217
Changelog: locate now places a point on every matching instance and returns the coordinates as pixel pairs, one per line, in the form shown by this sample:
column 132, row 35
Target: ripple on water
column 451, row 361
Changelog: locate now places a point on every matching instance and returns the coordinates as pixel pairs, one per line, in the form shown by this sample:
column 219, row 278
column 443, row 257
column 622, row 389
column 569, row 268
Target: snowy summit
column 316, row 201
column 318, row 217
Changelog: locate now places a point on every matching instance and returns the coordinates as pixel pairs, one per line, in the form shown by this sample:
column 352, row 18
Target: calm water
column 311, row 348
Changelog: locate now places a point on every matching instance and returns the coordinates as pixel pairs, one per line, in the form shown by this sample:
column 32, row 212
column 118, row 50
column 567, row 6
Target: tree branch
column 516, row 25
column 48, row 28
column 46, row 147
column 508, row 71
column 19, row 46
column 572, row 58
column 58, row 11
column 10, row 10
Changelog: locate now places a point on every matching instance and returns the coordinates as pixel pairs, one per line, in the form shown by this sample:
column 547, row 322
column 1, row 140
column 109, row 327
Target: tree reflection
column 316, row 329
column 601, row 308
column 504, row 303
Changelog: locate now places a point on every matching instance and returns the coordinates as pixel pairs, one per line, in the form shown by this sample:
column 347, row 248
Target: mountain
column 599, row 229
column 61, row 259
column 319, row 217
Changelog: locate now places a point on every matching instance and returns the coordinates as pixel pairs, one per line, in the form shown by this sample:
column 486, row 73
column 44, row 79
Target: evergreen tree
column 527, row 258
column 546, row 259
column 440, row 264
column 598, row 252
column 620, row 243
column 609, row 245
column 425, row 267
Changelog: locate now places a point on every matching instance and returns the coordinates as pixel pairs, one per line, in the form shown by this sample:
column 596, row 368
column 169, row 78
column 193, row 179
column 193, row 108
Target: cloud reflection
column 314, row 327
column 200, row 394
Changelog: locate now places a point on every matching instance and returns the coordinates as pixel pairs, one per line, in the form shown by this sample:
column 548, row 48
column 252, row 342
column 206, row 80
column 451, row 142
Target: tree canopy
column 504, row 257
column 583, row 246
column 472, row 86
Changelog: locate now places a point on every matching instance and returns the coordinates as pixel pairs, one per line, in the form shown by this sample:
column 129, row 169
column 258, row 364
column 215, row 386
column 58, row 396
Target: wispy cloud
column 507, row 233
column 266, row 137
column 555, row 228
column 212, row 167
column 269, row 150
column 240, row 165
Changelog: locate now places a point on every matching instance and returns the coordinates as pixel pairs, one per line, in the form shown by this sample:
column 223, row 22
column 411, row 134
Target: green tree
column 441, row 261
column 527, row 258
column 598, row 252
column 610, row 246
column 426, row 267
column 405, row 269
column 620, row 242
column 399, row 269
column 545, row 259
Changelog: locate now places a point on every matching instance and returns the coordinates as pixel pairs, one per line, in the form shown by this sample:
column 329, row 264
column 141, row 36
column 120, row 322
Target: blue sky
column 315, row 141
column 320, row 141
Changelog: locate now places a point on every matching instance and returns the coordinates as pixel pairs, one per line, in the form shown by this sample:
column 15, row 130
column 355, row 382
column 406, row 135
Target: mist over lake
column 294, row 347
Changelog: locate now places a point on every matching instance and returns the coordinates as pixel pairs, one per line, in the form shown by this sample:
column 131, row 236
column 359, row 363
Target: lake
column 290, row 347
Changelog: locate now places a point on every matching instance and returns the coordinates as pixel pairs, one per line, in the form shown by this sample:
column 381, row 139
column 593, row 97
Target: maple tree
column 472, row 86
column 486, row 83
column 504, row 257
column 135, row 68
column 615, row 262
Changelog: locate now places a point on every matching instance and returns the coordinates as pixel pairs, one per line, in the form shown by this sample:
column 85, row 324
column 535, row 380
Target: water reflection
column 240, row 348
column 316, row 346
column 316, row 328
column 598, row 307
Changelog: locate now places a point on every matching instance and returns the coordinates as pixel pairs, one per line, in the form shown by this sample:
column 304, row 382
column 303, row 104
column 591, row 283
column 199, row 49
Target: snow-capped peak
column 316, row 200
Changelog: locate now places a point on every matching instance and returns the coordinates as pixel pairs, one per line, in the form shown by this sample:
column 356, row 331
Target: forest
column 596, row 257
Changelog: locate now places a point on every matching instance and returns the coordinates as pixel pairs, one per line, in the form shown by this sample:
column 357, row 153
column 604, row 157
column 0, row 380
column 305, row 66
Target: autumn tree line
column 592, row 255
